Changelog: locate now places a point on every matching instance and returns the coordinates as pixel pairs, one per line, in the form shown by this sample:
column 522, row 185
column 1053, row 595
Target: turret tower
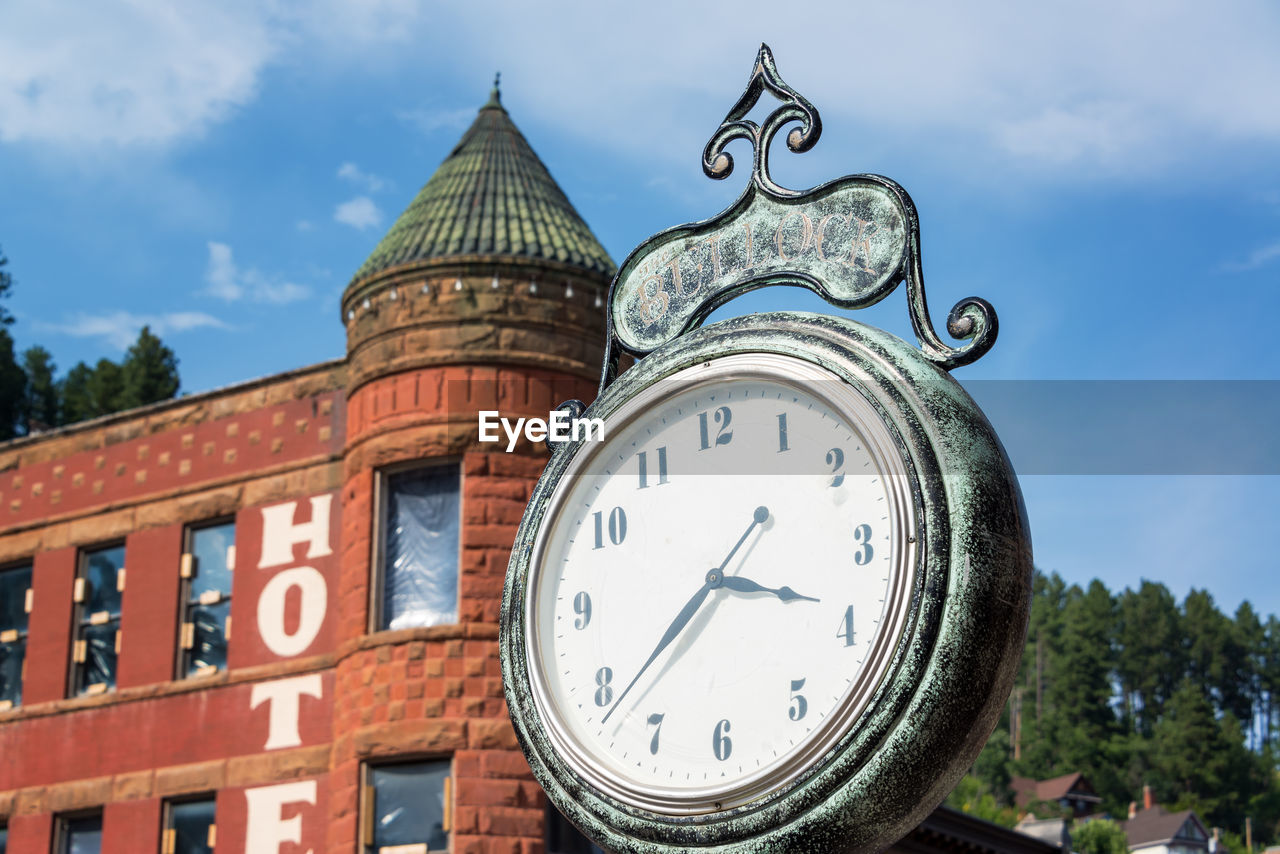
column 486, row 293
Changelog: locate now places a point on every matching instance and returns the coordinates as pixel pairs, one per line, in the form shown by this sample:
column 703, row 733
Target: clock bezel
column 927, row 721
column 900, row 488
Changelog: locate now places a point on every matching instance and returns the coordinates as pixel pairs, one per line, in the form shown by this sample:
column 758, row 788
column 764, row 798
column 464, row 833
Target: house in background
column 1155, row 830
column 1073, row 792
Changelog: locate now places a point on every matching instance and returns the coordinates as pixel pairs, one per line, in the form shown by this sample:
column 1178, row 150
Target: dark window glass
column 564, row 838
column 408, row 804
column 82, row 835
column 14, row 587
column 4, row 839
column 97, row 621
column 189, row 821
column 420, row 548
column 207, row 598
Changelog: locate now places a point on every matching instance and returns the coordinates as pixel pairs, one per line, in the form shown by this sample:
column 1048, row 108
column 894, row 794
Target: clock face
column 718, row 586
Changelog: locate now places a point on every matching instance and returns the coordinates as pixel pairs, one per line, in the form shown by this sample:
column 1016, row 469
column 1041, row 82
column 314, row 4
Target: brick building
column 276, row 604
column 264, row 619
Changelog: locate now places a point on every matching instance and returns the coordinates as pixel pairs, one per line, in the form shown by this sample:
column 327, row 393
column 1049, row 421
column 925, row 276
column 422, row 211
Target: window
column 407, row 808
column 189, row 827
column 419, row 547
column 564, row 838
column 4, row 839
column 80, row 835
column 15, row 605
column 97, row 624
column 207, row 563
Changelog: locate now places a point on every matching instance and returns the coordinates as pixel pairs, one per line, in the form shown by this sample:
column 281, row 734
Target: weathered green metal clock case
column 954, row 664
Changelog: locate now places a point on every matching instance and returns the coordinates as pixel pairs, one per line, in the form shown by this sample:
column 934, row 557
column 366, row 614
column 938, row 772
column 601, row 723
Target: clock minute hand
column 677, row 625
column 714, row 579
column 746, row 585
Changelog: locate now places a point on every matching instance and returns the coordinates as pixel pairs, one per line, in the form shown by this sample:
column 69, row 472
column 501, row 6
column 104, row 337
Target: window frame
column 81, row 619
column 62, row 827
column 368, row 803
column 168, row 833
column 19, row 635
column 381, row 503
column 186, row 573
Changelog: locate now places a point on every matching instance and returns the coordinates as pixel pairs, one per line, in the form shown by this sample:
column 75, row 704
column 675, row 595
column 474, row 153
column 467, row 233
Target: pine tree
column 75, row 401
column 12, row 380
column 1250, row 638
column 1151, row 661
column 6, row 285
column 13, row 384
column 40, row 404
column 149, row 373
column 106, row 388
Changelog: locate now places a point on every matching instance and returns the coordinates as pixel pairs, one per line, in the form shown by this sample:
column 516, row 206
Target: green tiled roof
column 490, row 196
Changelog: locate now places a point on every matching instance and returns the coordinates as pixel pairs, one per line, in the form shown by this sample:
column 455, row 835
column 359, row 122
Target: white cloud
column 1259, row 257
column 1113, row 89
column 354, row 174
column 1103, row 88
column 359, row 213
column 120, row 328
column 142, row 72
column 226, row 281
column 427, row 121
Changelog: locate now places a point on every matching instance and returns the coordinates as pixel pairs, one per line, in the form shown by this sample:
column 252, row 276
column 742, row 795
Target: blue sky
column 1107, row 175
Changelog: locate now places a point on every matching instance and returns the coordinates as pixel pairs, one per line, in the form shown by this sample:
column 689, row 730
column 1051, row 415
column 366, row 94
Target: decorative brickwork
column 309, row 691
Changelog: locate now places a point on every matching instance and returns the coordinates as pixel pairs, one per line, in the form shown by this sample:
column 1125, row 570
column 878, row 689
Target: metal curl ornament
column 718, row 163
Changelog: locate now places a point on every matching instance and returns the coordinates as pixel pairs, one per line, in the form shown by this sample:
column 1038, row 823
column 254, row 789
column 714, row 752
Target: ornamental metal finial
column 718, row 163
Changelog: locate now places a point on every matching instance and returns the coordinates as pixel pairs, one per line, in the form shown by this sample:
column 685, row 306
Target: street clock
column 780, row 604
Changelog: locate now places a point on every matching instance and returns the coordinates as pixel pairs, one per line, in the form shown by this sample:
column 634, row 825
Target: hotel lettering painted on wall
column 270, row 612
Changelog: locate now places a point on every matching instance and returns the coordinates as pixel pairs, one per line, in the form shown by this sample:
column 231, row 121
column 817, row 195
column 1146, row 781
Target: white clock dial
column 721, row 583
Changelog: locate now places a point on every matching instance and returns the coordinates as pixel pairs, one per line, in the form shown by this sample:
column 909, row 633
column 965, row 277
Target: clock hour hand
column 746, row 585
column 714, row 579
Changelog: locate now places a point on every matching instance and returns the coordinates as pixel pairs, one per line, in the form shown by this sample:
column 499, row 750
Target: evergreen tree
column 13, row 384
column 1215, row 660
column 106, row 388
column 1269, row 679
column 1151, row 661
column 149, row 373
column 1196, row 761
column 12, row 381
column 6, row 285
column 1250, row 640
column 75, row 399
column 40, row 405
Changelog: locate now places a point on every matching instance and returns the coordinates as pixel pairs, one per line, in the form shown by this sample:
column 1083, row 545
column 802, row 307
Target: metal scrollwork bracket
column 852, row 241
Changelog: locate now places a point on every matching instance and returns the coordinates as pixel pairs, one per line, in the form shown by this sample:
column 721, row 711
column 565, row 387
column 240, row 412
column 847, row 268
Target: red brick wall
column 49, row 627
column 149, row 607
column 417, row 693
